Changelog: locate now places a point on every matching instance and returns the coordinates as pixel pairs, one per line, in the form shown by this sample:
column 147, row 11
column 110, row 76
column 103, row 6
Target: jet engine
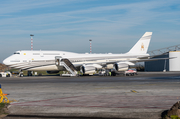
column 110, row 66
column 90, row 69
column 52, row 72
column 122, row 66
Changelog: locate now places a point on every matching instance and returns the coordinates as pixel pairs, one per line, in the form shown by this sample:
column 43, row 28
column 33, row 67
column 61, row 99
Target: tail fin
column 142, row 45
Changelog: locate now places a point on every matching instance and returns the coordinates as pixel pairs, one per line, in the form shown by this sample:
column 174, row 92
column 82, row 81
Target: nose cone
column 6, row 62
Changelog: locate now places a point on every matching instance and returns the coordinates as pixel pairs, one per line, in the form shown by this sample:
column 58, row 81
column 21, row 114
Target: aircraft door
column 41, row 54
column 29, row 61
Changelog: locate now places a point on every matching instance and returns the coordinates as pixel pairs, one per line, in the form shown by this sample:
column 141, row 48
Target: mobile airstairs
column 67, row 65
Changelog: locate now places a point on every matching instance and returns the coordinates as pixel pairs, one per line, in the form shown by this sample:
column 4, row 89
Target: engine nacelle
column 90, row 69
column 121, row 66
column 52, row 72
column 110, row 66
column 87, row 70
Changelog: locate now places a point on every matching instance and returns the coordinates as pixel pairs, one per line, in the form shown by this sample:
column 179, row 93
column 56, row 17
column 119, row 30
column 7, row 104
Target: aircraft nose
column 5, row 62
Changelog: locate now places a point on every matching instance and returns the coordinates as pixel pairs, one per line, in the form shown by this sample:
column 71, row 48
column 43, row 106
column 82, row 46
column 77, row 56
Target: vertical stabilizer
column 142, row 45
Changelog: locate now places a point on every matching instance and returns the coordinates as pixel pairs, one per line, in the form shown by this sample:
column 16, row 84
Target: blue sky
column 113, row 25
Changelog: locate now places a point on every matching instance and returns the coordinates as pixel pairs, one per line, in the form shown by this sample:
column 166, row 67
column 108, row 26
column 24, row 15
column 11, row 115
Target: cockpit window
column 17, row 53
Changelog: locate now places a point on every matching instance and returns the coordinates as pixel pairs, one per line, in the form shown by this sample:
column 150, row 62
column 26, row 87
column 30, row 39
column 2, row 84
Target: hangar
column 166, row 64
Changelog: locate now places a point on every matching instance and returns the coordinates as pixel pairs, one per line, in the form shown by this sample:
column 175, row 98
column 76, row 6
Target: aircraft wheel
column 0, row 75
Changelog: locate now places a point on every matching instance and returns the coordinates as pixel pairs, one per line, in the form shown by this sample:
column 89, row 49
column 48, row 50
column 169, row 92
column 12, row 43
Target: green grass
column 2, row 108
column 174, row 117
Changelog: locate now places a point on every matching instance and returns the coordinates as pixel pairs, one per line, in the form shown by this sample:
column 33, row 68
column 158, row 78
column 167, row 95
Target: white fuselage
column 45, row 60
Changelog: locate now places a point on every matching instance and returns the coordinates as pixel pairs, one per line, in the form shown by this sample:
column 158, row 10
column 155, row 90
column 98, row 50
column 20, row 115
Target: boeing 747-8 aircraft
column 56, row 61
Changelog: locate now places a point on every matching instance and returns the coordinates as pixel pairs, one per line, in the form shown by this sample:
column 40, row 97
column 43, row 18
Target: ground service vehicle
column 5, row 74
column 131, row 72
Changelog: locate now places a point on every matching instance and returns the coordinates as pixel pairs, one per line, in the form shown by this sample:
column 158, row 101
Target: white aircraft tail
column 142, row 45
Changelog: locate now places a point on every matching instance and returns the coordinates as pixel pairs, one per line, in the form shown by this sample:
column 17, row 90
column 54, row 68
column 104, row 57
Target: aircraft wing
column 148, row 57
column 128, row 62
column 145, row 60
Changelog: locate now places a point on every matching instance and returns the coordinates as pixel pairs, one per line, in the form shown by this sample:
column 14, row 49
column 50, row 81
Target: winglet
column 142, row 45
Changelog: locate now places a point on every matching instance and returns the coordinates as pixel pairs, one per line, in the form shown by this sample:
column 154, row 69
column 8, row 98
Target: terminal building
column 172, row 63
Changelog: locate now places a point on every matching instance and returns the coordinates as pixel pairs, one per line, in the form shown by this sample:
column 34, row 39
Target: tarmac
column 144, row 96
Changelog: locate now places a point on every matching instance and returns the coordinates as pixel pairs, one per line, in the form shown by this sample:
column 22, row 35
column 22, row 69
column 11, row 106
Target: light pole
column 90, row 46
column 31, row 41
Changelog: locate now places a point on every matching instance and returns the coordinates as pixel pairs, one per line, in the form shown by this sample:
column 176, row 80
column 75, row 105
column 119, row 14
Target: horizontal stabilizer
column 154, row 59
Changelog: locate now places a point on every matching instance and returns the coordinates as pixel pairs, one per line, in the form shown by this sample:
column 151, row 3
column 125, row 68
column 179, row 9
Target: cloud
column 14, row 6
